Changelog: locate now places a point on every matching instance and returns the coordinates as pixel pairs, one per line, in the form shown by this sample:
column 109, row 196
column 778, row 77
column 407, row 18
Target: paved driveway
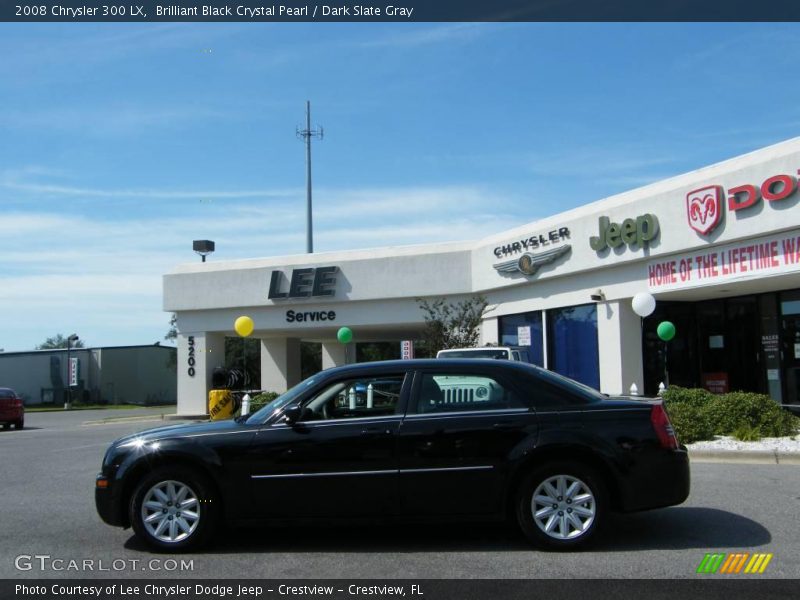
column 47, row 482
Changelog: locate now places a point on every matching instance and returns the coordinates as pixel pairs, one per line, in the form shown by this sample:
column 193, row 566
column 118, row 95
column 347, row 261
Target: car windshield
column 487, row 353
column 265, row 411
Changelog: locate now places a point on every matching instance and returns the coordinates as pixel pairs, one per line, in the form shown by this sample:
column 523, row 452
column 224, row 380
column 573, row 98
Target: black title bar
column 423, row 589
column 401, row 11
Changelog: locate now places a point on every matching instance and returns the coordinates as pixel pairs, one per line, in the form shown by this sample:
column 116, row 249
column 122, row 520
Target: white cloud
column 102, row 276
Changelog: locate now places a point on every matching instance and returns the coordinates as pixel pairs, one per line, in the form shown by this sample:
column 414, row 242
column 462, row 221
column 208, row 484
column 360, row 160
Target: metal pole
column 68, row 397
column 307, row 134
column 309, row 226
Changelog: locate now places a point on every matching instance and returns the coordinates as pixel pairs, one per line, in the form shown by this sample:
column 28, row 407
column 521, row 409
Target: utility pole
column 307, row 134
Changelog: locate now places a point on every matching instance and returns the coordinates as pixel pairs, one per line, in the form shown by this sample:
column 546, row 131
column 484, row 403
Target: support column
column 619, row 331
column 489, row 333
column 198, row 354
column 334, row 354
column 280, row 364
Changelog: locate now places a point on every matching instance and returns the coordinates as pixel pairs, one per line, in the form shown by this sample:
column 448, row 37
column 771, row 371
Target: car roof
column 422, row 363
column 476, row 349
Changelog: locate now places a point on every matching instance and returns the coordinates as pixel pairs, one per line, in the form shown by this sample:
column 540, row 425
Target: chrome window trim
column 469, row 413
column 329, row 422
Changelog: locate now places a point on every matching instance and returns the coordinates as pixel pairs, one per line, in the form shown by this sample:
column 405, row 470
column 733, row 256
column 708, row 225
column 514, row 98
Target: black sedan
column 415, row 439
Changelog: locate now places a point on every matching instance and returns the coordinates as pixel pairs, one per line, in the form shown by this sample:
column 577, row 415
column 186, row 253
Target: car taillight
column 664, row 430
column 17, row 403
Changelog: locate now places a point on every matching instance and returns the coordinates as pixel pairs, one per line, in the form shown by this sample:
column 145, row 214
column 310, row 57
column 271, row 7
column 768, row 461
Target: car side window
column 452, row 392
column 355, row 398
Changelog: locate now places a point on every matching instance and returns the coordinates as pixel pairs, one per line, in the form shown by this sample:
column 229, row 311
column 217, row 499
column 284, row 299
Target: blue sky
column 120, row 144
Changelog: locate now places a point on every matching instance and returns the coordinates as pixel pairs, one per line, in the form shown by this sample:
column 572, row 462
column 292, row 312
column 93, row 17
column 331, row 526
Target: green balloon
column 666, row 330
column 344, row 335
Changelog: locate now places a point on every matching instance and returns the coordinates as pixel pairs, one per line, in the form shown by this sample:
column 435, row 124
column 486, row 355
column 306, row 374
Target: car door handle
column 506, row 425
column 376, row 431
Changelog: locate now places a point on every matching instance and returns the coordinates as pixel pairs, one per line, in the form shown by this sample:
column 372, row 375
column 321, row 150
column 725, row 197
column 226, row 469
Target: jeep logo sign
column 631, row 232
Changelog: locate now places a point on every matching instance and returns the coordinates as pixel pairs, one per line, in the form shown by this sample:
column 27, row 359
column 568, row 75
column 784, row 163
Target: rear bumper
column 662, row 480
column 11, row 415
column 108, row 502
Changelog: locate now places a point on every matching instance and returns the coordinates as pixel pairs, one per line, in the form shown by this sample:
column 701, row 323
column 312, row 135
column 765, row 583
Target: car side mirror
column 292, row 414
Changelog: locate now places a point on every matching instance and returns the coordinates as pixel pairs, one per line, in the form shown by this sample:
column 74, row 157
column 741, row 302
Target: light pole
column 68, row 399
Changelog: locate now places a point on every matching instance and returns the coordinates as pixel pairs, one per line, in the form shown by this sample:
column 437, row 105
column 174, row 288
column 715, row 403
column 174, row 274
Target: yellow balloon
column 244, row 326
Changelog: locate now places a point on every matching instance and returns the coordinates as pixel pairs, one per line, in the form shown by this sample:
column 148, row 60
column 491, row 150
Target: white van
column 517, row 353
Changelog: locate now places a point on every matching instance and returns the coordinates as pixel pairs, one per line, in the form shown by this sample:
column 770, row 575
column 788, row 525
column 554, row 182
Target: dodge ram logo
column 704, row 209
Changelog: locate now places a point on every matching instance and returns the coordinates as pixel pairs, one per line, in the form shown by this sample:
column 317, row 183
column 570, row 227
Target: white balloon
column 643, row 304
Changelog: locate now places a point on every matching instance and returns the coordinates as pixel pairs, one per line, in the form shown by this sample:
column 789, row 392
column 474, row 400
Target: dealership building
column 718, row 248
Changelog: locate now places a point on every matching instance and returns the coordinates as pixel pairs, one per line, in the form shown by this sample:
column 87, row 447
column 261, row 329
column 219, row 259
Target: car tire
column 174, row 509
column 19, row 424
column 6, row 425
column 561, row 506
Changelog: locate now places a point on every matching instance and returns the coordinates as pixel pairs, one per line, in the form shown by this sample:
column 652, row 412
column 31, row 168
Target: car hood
column 181, row 430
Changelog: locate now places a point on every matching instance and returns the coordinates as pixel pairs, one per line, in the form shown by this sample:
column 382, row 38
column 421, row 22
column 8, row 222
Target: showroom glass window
column 509, row 333
column 572, row 348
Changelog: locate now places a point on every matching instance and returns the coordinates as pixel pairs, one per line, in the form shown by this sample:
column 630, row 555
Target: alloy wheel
column 170, row 511
column 563, row 507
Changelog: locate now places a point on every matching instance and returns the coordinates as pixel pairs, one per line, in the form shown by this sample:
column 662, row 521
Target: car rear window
column 6, row 393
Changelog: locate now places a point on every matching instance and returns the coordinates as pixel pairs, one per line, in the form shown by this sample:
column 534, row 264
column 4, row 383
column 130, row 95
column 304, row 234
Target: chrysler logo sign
column 529, row 263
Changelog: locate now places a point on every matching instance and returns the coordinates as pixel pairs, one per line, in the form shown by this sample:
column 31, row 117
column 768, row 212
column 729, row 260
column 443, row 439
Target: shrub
column 690, row 421
column 697, row 414
column 257, row 402
column 694, row 396
column 757, row 411
column 746, row 433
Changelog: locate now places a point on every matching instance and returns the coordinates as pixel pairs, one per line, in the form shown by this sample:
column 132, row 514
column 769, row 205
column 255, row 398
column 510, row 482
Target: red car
column 11, row 409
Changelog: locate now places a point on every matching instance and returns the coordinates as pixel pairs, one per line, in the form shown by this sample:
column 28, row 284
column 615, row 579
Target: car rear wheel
column 6, row 425
column 174, row 509
column 559, row 507
column 19, row 424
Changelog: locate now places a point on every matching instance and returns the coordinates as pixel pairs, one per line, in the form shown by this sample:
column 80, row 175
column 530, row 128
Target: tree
column 172, row 332
column 59, row 341
column 172, row 336
column 449, row 325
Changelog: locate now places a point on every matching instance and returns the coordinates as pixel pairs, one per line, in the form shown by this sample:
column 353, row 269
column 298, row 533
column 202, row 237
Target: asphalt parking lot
column 47, row 477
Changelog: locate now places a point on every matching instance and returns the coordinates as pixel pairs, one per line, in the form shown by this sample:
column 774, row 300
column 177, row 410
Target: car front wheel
column 559, row 507
column 174, row 509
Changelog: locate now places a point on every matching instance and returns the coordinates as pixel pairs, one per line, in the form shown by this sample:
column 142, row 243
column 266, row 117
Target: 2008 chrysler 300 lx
column 415, row 439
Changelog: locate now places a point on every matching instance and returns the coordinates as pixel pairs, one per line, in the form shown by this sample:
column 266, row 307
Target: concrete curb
column 187, row 417
column 753, row 457
column 138, row 419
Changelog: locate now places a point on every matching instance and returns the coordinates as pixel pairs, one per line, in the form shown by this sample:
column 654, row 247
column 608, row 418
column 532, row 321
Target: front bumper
column 108, row 502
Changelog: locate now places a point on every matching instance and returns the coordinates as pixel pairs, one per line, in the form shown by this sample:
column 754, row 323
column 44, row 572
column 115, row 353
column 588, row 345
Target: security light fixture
column 598, row 296
column 203, row 247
